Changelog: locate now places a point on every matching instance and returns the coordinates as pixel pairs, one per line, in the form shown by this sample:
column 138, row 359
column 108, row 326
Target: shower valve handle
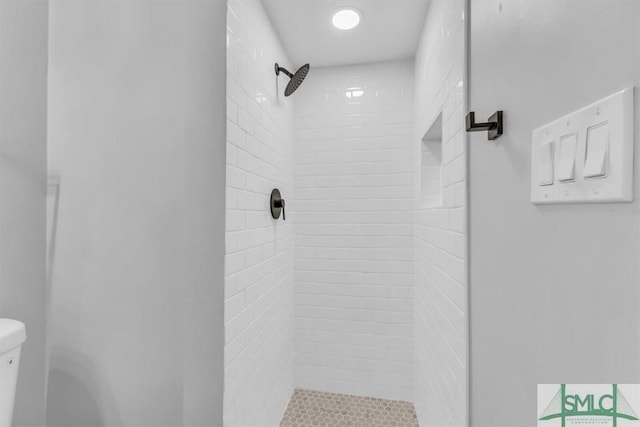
column 277, row 205
column 280, row 204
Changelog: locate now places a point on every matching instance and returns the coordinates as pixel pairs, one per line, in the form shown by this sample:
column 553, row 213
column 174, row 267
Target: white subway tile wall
column 354, row 234
column 441, row 284
column 259, row 250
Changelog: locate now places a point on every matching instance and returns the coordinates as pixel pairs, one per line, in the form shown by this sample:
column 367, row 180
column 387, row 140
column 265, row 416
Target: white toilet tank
column 12, row 335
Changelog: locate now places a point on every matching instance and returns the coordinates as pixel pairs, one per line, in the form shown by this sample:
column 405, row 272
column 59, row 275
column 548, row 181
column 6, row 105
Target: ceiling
column 388, row 30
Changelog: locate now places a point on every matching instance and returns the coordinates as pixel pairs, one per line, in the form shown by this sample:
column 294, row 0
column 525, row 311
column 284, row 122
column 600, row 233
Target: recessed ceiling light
column 346, row 19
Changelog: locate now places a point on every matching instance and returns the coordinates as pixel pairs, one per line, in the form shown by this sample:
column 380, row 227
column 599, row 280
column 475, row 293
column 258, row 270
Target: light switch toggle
column 595, row 165
column 567, row 160
column 545, row 165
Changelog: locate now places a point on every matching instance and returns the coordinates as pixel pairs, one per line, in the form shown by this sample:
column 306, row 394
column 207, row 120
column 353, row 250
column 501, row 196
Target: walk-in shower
column 424, row 275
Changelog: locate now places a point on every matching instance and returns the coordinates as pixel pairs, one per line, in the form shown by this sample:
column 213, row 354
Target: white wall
column 136, row 135
column 554, row 289
column 441, row 286
column 23, row 121
column 259, row 260
column 203, row 244
column 354, row 244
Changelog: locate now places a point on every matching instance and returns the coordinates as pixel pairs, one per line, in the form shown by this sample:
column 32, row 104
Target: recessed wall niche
column 431, row 165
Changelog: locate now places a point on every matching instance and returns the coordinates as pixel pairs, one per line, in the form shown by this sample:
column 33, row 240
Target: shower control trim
column 277, row 205
column 494, row 125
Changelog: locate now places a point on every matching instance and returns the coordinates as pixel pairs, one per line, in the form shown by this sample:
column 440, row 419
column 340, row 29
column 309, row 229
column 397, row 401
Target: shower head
column 296, row 78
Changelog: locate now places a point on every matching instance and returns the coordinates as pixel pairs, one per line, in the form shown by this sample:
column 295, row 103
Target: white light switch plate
column 609, row 172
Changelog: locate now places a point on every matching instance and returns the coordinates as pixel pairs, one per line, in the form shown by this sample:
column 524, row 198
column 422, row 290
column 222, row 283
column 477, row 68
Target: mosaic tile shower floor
column 315, row 408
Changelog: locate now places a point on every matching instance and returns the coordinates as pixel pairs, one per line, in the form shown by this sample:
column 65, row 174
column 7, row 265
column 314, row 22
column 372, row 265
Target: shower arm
column 284, row 70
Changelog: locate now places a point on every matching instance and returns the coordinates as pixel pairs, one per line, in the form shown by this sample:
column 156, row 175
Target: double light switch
column 586, row 156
